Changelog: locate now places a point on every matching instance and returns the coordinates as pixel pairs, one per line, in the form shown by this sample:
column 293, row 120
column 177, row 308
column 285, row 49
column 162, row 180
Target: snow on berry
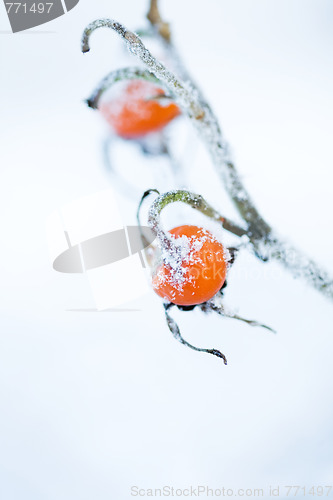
column 193, row 267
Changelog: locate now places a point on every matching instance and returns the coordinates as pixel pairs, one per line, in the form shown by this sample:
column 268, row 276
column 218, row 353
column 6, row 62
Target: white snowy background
column 93, row 403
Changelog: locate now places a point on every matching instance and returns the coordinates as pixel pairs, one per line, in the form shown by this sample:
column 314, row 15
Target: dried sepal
column 174, row 329
column 216, row 305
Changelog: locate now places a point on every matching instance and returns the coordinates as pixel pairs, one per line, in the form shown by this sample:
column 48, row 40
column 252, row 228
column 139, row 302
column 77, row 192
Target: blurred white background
column 94, row 403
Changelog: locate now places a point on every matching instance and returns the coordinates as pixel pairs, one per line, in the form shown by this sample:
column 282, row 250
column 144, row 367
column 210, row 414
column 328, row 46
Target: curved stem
column 198, row 110
column 197, row 202
column 115, row 76
column 144, row 196
column 182, row 93
column 190, row 99
column 156, row 21
column 269, row 248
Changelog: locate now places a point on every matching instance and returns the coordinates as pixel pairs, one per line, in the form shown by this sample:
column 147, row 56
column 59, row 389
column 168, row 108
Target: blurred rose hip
column 139, row 109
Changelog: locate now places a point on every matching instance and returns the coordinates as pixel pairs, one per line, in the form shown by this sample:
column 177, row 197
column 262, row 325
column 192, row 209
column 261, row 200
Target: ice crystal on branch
column 189, row 97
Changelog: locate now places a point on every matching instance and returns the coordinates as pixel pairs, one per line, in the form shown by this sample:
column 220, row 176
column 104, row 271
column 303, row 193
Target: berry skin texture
column 201, row 272
column 134, row 114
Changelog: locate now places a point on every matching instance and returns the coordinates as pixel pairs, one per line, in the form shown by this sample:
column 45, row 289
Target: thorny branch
column 265, row 244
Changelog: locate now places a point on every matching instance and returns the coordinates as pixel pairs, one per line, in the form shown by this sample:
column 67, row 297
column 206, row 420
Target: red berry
column 200, row 273
column 134, row 113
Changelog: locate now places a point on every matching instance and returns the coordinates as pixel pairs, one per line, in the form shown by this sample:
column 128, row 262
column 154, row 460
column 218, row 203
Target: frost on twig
column 190, row 99
column 178, row 89
column 300, row 266
column 115, row 76
column 197, row 202
column 269, row 248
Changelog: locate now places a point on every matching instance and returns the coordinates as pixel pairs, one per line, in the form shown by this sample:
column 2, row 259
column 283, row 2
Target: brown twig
column 155, row 19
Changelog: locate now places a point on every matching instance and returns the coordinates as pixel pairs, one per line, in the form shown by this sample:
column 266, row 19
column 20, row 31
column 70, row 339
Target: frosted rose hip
column 201, row 272
column 134, row 113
